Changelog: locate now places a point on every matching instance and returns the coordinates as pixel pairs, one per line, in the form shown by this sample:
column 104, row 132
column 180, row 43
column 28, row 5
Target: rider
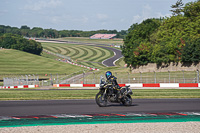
column 112, row 81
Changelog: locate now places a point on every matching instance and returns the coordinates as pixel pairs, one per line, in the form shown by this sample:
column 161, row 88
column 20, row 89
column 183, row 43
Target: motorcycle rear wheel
column 127, row 100
column 101, row 99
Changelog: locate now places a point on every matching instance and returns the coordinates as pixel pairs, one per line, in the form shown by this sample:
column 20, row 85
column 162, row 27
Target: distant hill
column 19, row 62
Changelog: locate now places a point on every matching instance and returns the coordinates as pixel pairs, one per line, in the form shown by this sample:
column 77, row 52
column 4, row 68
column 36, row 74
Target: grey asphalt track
column 50, row 107
column 111, row 61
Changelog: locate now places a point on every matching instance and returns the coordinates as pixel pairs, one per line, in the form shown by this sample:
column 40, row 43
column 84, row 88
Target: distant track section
column 108, row 62
column 111, row 61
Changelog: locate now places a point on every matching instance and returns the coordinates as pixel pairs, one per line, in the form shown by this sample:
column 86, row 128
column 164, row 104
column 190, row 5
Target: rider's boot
column 119, row 95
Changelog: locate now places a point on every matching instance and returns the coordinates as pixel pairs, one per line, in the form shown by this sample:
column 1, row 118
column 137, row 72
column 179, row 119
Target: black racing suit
column 112, row 83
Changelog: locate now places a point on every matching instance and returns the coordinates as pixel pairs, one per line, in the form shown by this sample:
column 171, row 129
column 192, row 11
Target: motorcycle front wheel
column 101, row 99
column 127, row 101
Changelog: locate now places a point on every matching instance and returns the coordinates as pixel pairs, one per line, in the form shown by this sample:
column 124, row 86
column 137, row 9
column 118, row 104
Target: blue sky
column 83, row 15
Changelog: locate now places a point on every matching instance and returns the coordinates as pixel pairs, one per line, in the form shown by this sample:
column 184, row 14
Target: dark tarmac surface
column 111, row 61
column 50, row 107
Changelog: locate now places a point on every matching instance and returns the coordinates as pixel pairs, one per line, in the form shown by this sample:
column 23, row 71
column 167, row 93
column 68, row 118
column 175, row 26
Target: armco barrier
column 151, row 85
column 21, row 86
column 189, row 85
column 139, row 85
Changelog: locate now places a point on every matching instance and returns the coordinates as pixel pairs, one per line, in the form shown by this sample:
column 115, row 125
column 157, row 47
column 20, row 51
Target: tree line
column 52, row 33
column 14, row 41
column 165, row 40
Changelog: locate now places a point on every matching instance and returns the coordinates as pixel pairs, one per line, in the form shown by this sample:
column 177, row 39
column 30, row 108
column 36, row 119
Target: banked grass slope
column 18, row 62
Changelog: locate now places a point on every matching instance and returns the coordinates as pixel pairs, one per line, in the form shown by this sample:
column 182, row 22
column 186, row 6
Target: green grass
column 120, row 62
column 95, row 41
column 18, row 62
column 167, row 93
column 90, row 94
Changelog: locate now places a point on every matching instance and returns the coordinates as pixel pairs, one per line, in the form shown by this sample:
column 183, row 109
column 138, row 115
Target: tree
column 136, row 48
column 163, row 41
column 15, row 30
column 7, row 40
column 170, row 33
column 177, row 8
column 25, row 27
column 190, row 52
column 25, row 30
column 37, row 32
column 14, row 41
column 192, row 10
column 52, row 33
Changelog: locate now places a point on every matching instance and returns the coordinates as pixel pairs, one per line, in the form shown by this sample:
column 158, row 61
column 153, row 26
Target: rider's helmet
column 108, row 74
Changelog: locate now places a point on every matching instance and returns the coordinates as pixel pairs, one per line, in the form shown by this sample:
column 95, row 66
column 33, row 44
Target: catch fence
column 94, row 78
column 21, row 80
column 126, row 77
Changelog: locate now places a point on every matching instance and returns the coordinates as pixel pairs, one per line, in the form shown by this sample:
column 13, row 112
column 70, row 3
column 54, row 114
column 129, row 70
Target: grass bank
column 117, row 42
column 19, row 62
column 15, row 62
column 90, row 94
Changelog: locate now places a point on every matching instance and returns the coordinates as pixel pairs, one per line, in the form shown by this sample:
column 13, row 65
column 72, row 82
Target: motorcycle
column 108, row 94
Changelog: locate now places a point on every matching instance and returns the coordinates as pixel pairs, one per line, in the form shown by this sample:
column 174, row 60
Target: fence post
column 26, row 79
column 183, row 77
column 140, row 77
column 94, row 78
column 169, row 76
column 83, row 77
column 51, row 79
column 128, row 77
column 37, row 79
column 155, row 76
column 23, row 80
column 57, row 79
column 34, row 79
column 197, row 76
column 4, row 81
column 115, row 74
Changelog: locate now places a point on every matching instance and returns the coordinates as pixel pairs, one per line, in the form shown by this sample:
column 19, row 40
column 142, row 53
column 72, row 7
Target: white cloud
column 39, row 5
column 67, row 19
column 122, row 20
column 84, row 19
column 102, row 17
column 3, row 12
column 136, row 19
column 147, row 12
column 159, row 14
column 55, row 19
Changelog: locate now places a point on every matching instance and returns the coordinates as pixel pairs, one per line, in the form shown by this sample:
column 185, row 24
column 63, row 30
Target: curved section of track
column 111, row 61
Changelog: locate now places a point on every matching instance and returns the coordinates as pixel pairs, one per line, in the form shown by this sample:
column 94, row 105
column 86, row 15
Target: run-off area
column 65, row 119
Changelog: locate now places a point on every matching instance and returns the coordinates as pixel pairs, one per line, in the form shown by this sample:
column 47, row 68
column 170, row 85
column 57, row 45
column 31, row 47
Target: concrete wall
column 151, row 67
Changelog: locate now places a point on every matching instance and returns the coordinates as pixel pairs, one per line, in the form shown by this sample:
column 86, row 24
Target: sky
column 86, row 15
